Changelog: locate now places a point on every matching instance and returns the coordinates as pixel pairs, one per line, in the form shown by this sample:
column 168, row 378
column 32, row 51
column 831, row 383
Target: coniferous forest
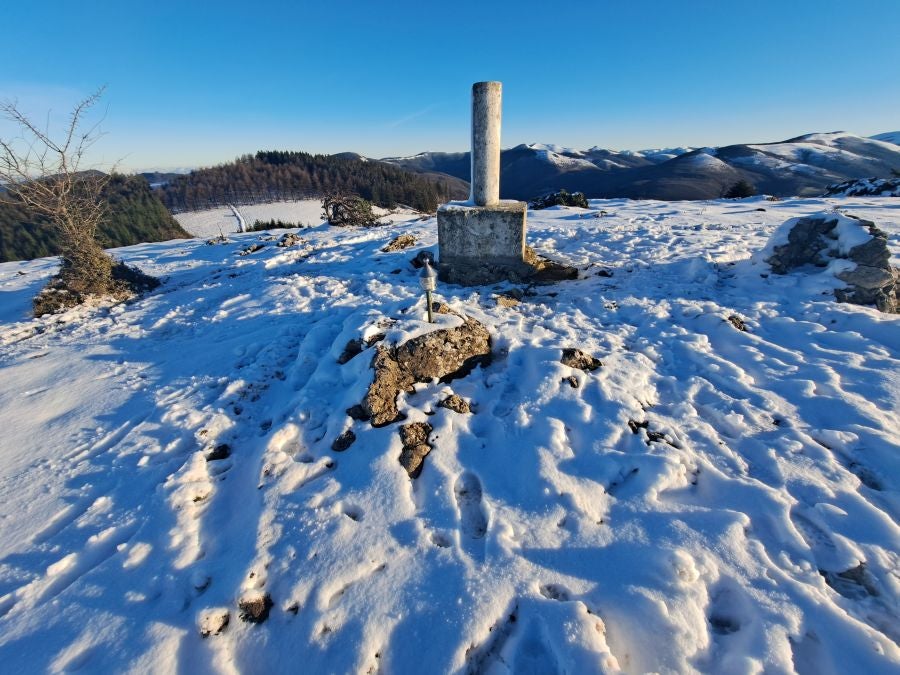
column 135, row 215
column 273, row 175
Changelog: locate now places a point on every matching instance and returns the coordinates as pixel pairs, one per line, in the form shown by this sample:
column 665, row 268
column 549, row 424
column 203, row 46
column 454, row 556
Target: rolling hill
column 804, row 166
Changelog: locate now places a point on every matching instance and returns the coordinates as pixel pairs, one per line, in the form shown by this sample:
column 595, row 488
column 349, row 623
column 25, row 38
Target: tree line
column 275, row 175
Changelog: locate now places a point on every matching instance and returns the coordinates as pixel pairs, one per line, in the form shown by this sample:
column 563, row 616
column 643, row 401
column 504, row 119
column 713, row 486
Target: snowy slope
column 889, row 137
column 307, row 212
column 704, row 501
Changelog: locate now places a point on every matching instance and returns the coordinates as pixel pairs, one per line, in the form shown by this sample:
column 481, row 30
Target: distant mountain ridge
column 803, row 166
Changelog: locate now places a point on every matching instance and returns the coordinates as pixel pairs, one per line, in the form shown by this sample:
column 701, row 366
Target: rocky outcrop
column 446, row 354
column 865, row 187
column 821, row 239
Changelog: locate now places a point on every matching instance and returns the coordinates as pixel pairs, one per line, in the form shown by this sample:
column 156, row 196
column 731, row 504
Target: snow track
column 710, row 499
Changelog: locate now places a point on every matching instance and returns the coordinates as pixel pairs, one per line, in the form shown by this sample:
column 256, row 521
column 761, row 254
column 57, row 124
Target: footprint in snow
column 472, row 516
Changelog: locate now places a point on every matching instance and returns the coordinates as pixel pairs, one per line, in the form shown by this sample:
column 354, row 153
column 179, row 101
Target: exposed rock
column 510, row 298
column 221, row 239
column 546, row 270
column 575, row 358
column 446, row 354
column 399, row 243
column 344, row 441
column 255, row 609
column 252, row 248
column 289, row 239
column 455, row 403
column 419, row 261
column 573, row 381
column 860, row 187
column 221, row 451
column 357, row 412
column 737, row 322
column 818, row 240
column 636, row 426
column 356, row 346
column 214, row 622
column 415, row 447
column 351, row 349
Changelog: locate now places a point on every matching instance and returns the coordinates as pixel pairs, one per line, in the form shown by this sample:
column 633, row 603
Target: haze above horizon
column 194, row 84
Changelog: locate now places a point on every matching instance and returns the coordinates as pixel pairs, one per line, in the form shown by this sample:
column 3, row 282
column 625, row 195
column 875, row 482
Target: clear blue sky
column 194, row 83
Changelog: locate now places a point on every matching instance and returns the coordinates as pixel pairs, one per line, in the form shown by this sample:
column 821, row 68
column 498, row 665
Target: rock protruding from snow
column 289, row 239
column 822, row 239
column 214, row 622
column 575, row 358
column 446, row 354
column 456, row 403
column 865, row 187
column 415, row 447
column 399, row 243
column 255, row 609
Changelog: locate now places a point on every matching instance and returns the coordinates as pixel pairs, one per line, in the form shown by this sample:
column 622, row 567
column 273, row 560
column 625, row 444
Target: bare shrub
column 348, row 211
column 48, row 178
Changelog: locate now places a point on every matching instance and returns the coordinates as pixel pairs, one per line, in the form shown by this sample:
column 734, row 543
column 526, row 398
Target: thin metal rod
column 428, row 301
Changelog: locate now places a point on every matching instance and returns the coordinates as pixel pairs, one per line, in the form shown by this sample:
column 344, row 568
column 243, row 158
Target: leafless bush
column 348, row 211
column 48, row 178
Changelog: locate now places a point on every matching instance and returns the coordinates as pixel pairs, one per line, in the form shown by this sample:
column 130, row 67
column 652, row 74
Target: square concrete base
column 482, row 244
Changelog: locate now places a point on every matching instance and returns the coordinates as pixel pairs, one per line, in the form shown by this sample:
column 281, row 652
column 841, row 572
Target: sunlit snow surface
column 543, row 534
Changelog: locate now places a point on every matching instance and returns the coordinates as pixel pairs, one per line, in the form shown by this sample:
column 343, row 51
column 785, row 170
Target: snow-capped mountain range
column 805, row 165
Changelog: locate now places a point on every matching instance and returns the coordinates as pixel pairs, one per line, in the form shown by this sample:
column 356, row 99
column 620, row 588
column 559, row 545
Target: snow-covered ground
column 213, row 222
column 710, row 499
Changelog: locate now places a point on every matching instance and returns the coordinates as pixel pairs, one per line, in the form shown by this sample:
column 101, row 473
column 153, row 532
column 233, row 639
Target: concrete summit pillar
column 483, row 240
column 486, row 106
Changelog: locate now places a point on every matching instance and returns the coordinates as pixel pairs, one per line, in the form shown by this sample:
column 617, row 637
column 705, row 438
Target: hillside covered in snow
column 722, row 494
column 803, row 166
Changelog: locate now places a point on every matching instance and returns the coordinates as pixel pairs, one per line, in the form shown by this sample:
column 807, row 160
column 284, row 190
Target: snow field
column 212, row 222
column 710, row 499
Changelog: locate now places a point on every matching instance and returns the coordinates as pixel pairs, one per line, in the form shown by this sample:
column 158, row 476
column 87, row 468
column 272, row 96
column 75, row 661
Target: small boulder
column 575, row 358
column 399, row 243
column 421, row 258
column 252, row 248
column 221, row 451
column 344, row 441
column 415, row 447
column 456, row 403
column 214, row 622
column 255, row 608
column 289, row 239
column 510, row 298
column 737, row 322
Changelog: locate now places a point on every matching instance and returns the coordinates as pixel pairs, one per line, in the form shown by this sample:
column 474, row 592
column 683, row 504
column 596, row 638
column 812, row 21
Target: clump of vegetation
column 44, row 176
column 739, row 190
column 266, row 225
column 561, row 198
column 348, row 211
